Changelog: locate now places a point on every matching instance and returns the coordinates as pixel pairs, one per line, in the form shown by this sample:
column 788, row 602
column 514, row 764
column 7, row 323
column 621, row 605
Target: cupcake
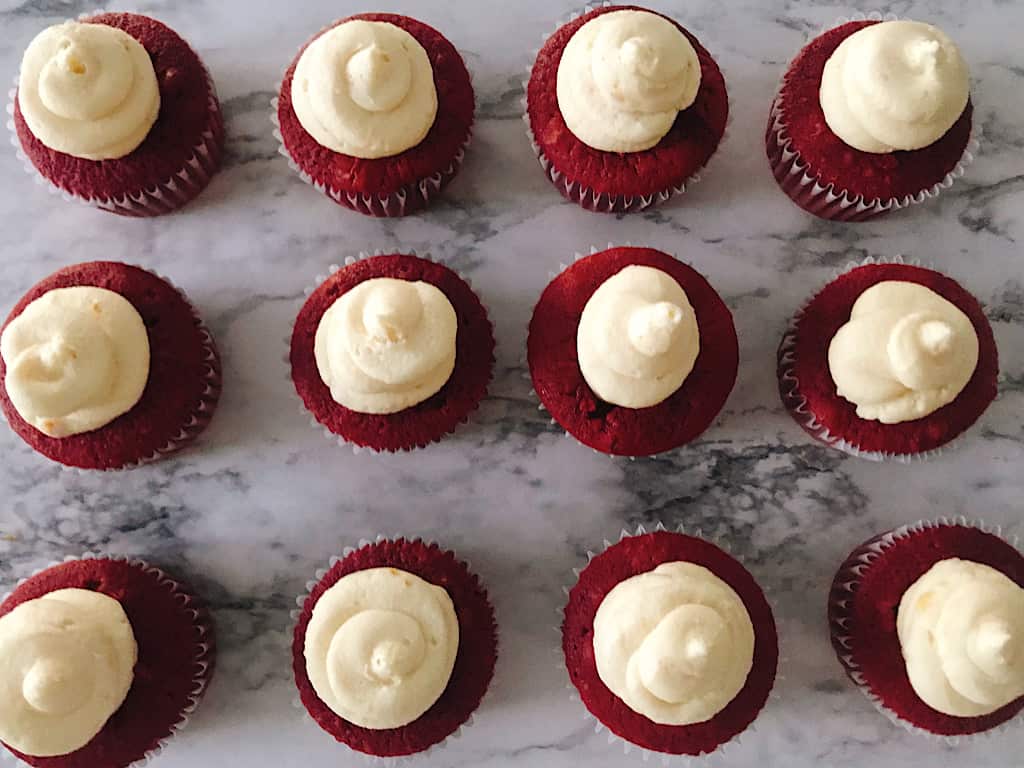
column 632, row 352
column 670, row 643
column 928, row 621
column 105, row 366
column 394, row 647
column 118, row 112
column 888, row 361
column 376, row 111
column 871, row 116
column 624, row 107
column 104, row 661
column 392, row 352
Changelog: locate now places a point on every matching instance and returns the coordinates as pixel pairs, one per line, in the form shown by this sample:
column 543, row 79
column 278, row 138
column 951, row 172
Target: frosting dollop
column 365, row 89
column 68, row 661
column 380, row 647
column 76, row 359
column 961, row 629
column 904, row 353
column 638, row 338
column 88, row 90
column 623, row 78
column 675, row 644
column 386, row 345
column 895, row 85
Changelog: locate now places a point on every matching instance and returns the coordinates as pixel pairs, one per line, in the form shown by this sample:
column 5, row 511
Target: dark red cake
column 178, row 157
column 619, row 182
column 175, row 639
column 635, row 555
column 809, row 393
column 474, row 664
column 865, row 599
column 559, row 383
column 426, row 422
column 184, row 374
column 404, row 183
column 800, row 142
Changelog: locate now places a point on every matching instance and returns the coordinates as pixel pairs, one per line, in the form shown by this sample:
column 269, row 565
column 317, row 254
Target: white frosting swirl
column 68, row 658
column 904, row 353
column 76, row 358
column 961, row 629
column 380, row 647
column 894, row 85
column 675, row 644
column 386, row 345
column 638, row 338
column 88, row 90
column 623, row 78
column 365, row 89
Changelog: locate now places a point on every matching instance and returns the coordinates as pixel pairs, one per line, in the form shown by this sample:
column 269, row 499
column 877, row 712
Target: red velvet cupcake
column 110, row 656
column 392, row 352
column 929, row 345
column 394, row 647
column 906, row 604
column 107, row 366
column 399, row 135
column 670, row 643
column 882, row 161
column 149, row 136
column 624, row 108
column 632, row 352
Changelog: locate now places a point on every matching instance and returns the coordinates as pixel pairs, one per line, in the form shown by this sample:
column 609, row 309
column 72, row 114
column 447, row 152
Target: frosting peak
column 895, row 85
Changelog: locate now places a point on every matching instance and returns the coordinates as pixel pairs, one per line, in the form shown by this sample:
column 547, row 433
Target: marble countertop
column 265, row 500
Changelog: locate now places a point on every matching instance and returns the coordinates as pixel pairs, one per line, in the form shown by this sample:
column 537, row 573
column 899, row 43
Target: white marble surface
column 264, row 500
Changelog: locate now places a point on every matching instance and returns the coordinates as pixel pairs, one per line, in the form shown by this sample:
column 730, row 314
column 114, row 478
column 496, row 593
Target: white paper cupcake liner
column 722, row 751
column 795, row 177
column 173, row 193
column 203, row 661
column 328, row 435
column 585, row 197
column 840, row 598
column 300, row 601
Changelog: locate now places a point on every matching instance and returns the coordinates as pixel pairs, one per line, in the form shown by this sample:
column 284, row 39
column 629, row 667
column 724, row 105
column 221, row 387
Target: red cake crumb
column 185, row 114
column 870, row 614
column 388, row 175
column 683, row 151
column 426, row 422
column 866, row 174
column 636, row 555
column 827, row 312
column 172, row 658
column 181, row 392
column 559, row 383
column 474, row 663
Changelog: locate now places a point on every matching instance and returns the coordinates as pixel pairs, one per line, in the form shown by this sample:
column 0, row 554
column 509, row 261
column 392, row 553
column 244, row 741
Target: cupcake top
column 88, row 90
column 365, row 89
column 896, row 85
column 68, row 657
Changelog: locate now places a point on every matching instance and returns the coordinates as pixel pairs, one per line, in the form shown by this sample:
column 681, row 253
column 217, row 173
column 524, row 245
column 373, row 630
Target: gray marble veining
column 265, row 500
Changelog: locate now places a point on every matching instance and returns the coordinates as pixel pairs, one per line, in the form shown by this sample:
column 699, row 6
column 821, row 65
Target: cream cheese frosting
column 380, row 647
column 675, row 644
column 88, row 90
column 365, row 89
column 961, row 629
column 637, row 339
column 76, row 359
column 904, row 353
column 895, row 85
column 68, row 661
column 386, row 345
column 623, row 78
